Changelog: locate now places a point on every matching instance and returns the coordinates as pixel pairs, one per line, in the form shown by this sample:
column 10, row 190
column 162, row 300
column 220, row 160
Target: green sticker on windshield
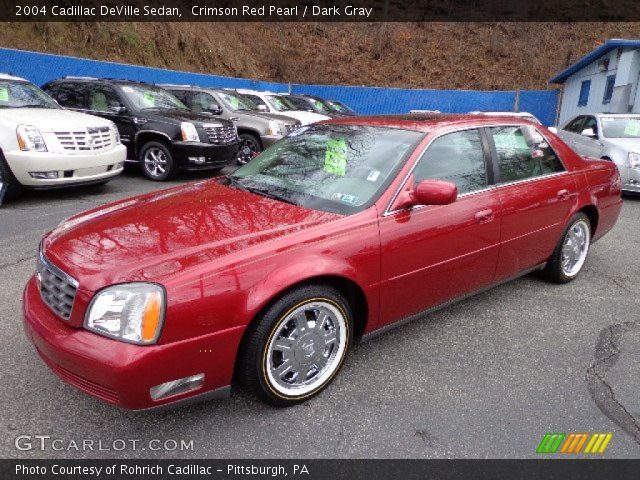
column 149, row 98
column 4, row 94
column 235, row 102
column 632, row 129
column 335, row 160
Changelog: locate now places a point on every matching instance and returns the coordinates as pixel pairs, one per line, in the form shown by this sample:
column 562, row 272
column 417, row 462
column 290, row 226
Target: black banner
column 318, row 10
column 320, row 469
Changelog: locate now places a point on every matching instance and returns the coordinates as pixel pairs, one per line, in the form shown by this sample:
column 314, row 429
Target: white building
column 603, row 81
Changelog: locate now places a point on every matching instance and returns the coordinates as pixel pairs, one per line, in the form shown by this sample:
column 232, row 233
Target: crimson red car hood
column 154, row 236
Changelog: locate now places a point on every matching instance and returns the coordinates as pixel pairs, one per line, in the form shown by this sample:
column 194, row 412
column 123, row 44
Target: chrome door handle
column 563, row 194
column 484, row 216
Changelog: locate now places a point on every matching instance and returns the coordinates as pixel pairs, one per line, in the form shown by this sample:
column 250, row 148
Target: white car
column 278, row 103
column 614, row 137
column 43, row 146
column 524, row 115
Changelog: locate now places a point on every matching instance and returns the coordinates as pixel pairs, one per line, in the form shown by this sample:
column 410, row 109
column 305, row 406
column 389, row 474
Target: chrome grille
column 57, row 289
column 291, row 127
column 221, row 135
column 97, row 138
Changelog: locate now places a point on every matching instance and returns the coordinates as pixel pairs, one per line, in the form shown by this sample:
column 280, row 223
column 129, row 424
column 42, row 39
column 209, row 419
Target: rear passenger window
column 456, row 157
column 72, row 96
column 522, row 152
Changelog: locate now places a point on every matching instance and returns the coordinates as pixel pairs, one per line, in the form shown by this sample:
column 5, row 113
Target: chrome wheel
column 155, row 162
column 306, row 348
column 575, row 248
column 248, row 149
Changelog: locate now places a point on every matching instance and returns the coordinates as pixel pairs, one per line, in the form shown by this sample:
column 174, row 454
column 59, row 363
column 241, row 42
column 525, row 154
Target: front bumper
column 215, row 156
column 631, row 181
column 72, row 169
column 268, row 140
column 122, row 374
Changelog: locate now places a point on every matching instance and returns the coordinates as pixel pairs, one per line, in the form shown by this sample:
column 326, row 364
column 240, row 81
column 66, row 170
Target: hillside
column 427, row 55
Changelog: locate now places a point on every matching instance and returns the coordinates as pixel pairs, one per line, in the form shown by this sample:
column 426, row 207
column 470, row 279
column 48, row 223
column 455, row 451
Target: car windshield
column 620, row 127
column 281, row 104
column 237, row 102
column 17, row 94
column 300, row 103
column 148, row 97
column 334, row 168
column 339, row 107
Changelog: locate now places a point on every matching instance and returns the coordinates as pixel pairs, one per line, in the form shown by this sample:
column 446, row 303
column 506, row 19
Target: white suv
column 44, row 146
column 278, row 103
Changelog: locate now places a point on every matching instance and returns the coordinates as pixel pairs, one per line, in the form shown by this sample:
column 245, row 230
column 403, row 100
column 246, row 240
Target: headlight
column 189, row 132
column 116, row 133
column 130, row 312
column 634, row 160
column 276, row 128
column 30, row 139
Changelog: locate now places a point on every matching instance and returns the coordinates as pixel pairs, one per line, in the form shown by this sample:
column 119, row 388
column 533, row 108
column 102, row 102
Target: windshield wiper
column 235, row 182
column 35, row 105
column 271, row 195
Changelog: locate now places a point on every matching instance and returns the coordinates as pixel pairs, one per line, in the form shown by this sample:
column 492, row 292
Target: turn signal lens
column 152, row 317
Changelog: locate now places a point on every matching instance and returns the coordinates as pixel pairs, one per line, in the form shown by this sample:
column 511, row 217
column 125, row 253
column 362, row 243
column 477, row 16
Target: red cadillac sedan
column 268, row 276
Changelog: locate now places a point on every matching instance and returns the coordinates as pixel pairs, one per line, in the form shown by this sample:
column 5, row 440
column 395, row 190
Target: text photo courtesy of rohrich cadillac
column 266, row 242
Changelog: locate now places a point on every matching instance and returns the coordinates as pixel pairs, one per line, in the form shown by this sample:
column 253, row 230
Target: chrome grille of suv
column 57, row 289
column 93, row 138
column 221, row 135
column 291, row 127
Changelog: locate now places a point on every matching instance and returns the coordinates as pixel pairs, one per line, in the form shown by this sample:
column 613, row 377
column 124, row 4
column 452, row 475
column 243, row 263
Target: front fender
column 294, row 273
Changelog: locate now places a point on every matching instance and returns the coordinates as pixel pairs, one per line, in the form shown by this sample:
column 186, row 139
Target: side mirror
column 214, row 109
column 427, row 192
column 116, row 108
column 263, row 108
column 553, row 130
column 434, row 192
column 588, row 132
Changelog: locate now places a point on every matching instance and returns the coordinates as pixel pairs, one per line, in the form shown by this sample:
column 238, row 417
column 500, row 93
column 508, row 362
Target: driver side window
column 457, row 158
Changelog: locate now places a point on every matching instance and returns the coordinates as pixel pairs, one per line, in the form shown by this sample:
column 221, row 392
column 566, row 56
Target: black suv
column 159, row 131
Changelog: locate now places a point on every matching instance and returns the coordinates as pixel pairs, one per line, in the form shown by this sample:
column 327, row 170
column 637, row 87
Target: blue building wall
column 39, row 68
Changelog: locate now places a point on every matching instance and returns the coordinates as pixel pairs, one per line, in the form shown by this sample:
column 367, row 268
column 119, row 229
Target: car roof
column 119, row 81
column 602, row 114
column 6, row 76
column 424, row 122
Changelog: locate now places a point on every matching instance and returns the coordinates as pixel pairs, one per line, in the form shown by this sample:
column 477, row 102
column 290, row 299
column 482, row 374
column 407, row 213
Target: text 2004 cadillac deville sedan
column 342, row 229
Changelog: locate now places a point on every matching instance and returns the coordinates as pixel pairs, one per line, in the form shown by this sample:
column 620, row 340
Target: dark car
column 160, row 132
column 316, row 104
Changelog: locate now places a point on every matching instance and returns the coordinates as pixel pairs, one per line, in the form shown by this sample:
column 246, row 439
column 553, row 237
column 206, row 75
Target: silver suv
column 257, row 129
column 614, row 137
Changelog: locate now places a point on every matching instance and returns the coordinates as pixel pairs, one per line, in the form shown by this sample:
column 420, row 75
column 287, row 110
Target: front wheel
column 571, row 253
column 249, row 147
column 157, row 162
column 295, row 349
column 10, row 188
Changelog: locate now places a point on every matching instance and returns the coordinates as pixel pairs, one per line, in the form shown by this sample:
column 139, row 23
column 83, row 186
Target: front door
column 589, row 146
column 432, row 254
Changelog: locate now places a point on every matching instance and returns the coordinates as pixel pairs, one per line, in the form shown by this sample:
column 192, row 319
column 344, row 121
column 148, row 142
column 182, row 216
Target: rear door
column 536, row 193
column 432, row 254
column 586, row 145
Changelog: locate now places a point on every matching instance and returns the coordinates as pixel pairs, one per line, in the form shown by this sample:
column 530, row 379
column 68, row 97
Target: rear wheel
column 571, row 253
column 295, row 349
column 157, row 162
column 249, row 146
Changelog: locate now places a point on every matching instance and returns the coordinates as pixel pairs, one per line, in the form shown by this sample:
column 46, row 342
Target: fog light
column 176, row 387
column 44, row 175
column 198, row 159
column 119, row 165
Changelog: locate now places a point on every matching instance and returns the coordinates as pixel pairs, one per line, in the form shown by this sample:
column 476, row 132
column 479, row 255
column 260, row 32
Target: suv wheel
column 249, row 146
column 156, row 161
column 10, row 188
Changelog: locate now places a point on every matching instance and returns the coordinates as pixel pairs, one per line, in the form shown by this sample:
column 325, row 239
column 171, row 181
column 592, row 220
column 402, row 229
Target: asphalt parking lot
column 487, row 377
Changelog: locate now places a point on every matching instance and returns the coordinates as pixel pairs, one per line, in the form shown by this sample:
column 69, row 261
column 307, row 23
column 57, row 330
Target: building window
column 584, row 93
column 608, row 89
